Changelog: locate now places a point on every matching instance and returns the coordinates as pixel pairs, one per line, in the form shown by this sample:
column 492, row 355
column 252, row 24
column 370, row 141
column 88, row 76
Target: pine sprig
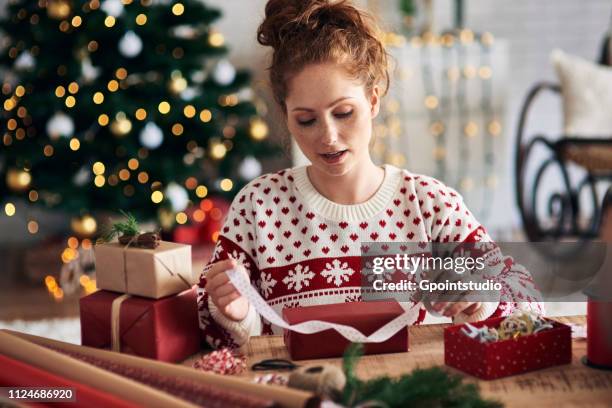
column 128, row 227
column 431, row 387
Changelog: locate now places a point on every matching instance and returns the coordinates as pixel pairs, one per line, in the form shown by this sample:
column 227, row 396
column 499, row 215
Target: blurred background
column 162, row 109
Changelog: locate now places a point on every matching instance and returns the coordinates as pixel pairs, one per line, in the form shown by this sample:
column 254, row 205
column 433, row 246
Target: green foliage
column 128, row 227
column 431, row 387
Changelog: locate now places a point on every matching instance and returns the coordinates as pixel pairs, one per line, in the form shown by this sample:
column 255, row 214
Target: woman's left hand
column 452, row 309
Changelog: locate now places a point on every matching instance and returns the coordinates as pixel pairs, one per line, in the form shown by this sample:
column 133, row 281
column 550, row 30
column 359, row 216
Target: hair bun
column 285, row 18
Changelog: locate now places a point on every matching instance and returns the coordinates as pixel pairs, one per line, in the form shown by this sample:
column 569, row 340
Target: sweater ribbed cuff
column 240, row 331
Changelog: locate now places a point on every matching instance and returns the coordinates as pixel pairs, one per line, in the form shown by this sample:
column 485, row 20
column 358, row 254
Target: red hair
column 303, row 32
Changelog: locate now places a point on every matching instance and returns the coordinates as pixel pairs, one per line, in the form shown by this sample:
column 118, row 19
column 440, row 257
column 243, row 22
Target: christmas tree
column 122, row 105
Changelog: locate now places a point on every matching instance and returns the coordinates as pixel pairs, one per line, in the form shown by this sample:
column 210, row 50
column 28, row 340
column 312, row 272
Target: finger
column 439, row 306
column 220, row 267
column 223, row 301
column 219, row 280
column 224, row 290
column 455, row 308
column 472, row 309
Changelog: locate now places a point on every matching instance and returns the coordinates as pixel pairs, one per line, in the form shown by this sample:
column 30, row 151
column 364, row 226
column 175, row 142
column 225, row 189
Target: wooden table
column 560, row 386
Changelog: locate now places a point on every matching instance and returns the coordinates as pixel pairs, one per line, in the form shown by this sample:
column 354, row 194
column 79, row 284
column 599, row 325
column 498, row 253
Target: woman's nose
column 329, row 134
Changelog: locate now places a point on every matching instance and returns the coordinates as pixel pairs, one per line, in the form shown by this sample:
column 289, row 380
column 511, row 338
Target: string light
column 218, row 151
column 143, row 177
column 109, row 21
column 103, row 119
column 73, row 242
column 199, row 215
column 133, row 164
column 124, row 174
column 431, row 102
column 164, row 107
column 32, row 227
column 181, row 218
column 191, row 183
column 178, row 9
column 73, row 88
column 75, row 144
column 205, row 115
column 70, row 101
column 92, row 46
column 177, row 129
column 76, row 21
column 216, row 39
column 99, row 181
column 189, row 111
column 141, row 114
column 157, row 197
column 9, row 209
column 201, row 191
column 494, row 128
column 121, row 73
column 33, row 196
column 113, row 85
column 258, row 129
column 226, row 184
column 19, row 91
column 141, row 19
column 48, row 151
column 98, row 98
column 98, row 168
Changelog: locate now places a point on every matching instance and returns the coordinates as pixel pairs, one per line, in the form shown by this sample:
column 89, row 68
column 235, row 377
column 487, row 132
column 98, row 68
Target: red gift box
column 502, row 358
column 367, row 317
column 163, row 329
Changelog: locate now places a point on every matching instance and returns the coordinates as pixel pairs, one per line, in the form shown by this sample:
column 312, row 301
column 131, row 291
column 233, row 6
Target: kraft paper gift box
column 503, row 358
column 164, row 329
column 153, row 273
column 367, row 317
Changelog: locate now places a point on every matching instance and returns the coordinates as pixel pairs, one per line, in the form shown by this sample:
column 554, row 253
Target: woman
column 297, row 233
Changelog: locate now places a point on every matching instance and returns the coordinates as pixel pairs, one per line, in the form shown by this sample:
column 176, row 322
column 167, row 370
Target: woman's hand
column 223, row 293
column 452, row 309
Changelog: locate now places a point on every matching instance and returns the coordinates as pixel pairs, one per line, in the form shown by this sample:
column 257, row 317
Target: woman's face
column 330, row 117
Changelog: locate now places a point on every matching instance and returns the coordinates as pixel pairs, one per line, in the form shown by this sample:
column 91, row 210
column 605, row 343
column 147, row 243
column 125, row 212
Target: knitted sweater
column 301, row 249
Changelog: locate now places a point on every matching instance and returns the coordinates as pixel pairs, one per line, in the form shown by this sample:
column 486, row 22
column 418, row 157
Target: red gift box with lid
column 367, row 317
column 503, row 358
column 163, row 329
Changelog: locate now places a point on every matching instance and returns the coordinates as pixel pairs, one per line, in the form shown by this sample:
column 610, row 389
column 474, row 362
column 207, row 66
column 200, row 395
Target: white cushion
column 587, row 96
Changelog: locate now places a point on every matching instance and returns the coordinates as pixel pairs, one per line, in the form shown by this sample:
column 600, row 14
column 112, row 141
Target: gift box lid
column 164, row 246
column 365, row 316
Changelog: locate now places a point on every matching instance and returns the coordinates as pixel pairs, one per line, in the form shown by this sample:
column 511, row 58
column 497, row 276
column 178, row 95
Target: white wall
column 532, row 29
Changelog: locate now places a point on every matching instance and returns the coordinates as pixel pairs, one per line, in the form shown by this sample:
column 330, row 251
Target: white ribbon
column 242, row 284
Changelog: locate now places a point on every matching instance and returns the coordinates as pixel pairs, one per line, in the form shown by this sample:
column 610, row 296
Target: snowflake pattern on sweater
column 301, row 249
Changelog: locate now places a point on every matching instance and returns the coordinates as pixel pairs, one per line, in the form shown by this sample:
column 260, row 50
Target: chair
column 594, row 155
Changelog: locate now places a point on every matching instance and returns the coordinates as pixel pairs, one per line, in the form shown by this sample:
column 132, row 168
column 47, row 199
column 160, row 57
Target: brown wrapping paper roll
column 21, row 347
column 283, row 396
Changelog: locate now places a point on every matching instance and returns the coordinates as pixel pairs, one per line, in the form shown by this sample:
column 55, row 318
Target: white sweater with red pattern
column 302, row 249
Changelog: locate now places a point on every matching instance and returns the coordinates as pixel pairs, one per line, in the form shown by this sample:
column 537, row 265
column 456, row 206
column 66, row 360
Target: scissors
column 274, row 364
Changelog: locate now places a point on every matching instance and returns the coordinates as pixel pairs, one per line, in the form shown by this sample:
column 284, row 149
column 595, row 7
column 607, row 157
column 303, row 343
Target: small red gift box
column 163, row 329
column 502, row 358
column 367, row 317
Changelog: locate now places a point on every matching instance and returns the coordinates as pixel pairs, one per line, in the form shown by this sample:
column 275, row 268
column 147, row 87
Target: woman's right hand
column 223, row 293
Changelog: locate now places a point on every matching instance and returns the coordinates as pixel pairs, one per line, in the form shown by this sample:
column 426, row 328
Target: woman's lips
column 334, row 157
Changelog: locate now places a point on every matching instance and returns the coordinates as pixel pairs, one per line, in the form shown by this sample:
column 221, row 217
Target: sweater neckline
column 348, row 212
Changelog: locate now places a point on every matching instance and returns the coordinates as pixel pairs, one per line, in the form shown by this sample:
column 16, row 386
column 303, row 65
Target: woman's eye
column 343, row 115
column 306, row 122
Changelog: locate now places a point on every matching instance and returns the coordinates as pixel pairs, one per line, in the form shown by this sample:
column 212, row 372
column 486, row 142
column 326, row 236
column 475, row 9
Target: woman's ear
column 375, row 101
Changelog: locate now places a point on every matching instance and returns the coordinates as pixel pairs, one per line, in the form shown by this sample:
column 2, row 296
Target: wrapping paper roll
column 599, row 333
